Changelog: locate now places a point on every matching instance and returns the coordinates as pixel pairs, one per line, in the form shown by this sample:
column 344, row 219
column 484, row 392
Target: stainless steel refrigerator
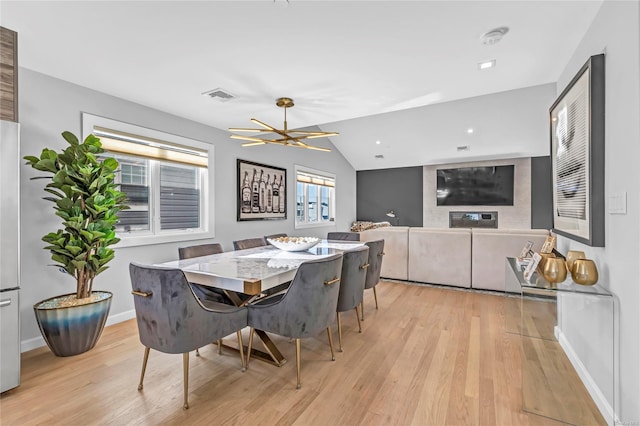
column 9, row 255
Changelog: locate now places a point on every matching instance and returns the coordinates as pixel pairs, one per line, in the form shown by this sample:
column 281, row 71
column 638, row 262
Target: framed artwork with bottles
column 262, row 191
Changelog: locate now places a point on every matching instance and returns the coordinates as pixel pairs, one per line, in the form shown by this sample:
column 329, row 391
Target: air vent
column 219, row 95
column 463, row 148
column 379, row 156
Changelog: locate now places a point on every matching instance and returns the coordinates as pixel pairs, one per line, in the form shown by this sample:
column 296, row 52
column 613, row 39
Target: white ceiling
column 338, row 60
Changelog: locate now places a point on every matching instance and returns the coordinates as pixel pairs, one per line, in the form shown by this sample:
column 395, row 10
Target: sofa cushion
column 396, row 239
column 492, row 246
column 440, row 256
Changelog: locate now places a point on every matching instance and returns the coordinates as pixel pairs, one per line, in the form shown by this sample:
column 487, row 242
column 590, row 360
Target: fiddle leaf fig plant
column 85, row 196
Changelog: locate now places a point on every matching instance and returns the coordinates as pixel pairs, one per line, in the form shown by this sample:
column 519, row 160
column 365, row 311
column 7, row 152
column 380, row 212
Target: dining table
column 253, row 273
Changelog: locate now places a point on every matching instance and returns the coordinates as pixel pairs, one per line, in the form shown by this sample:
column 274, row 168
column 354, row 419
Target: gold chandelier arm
column 306, row 132
column 323, row 135
column 244, row 129
column 254, row 143
column 246, row 138
column 266, row 126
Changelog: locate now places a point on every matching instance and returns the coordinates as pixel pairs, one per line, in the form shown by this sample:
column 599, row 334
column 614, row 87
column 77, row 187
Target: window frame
column 207, row 210
column 333, row 198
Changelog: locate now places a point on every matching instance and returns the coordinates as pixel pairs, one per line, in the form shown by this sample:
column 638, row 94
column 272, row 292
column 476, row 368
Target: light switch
column 618, row 203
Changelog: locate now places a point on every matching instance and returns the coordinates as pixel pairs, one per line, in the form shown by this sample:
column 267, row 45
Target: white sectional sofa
column 440, row 256
column 491, row 246
column 463, row 257
column 396, row 244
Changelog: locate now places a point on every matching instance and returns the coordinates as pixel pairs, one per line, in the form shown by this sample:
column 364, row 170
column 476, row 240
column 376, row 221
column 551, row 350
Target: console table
column 556, row 323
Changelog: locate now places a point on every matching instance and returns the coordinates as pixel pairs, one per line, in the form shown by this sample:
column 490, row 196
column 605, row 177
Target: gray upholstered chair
column 348, row 236
column 171, row 319
column 266, row 237
column 204, row 292
column 249, row 243
column 354, row 274
column 306, row 309
column 376, row 251
column 199, row 250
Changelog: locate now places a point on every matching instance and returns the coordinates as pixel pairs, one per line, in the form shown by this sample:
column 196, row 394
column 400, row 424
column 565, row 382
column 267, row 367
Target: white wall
column 49, row 106
column 517, row 216
column 615, row 31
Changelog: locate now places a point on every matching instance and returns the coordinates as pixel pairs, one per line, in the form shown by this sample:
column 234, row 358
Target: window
column 315, row 197
column 166, row 179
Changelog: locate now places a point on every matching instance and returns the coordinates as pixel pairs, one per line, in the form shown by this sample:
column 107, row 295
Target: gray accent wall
column 49, row 106
column 400, row 190
column 541, row 195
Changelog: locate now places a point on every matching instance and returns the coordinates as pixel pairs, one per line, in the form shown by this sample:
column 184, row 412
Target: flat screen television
column 475, row 186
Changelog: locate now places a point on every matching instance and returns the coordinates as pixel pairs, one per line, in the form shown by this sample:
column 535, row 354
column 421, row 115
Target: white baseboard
column 38, row 342
column 596, row 394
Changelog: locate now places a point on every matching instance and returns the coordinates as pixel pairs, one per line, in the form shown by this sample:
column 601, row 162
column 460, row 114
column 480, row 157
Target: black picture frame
column 577, row 137
column 262, row 191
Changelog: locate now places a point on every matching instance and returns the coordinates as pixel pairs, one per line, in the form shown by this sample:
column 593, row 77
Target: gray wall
column 541, row 196
column 49, row 106
column 400, row 190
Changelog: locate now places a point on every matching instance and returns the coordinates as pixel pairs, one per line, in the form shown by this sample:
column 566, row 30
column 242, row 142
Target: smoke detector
column 219, row 95
column 494, row 36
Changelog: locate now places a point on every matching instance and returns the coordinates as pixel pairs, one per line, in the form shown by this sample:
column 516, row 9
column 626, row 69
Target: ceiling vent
column 219, row 95
column 379, row 156
column 463, row 148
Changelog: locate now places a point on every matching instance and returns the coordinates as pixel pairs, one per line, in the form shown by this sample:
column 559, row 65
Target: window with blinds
column 315, row 197
column 166, row 181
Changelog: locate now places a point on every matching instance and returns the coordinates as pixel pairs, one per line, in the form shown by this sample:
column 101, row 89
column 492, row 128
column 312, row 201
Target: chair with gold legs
column 345, row 236
column 204, row 292
column 249, row 243
column 307, row 308
column 171, row 319
column 354, row 273
column 376, row 251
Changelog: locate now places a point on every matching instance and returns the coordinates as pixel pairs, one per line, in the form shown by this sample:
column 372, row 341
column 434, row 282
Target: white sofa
column 462, row 257
column 491, row 246
column 440, row 256
column 396, row 244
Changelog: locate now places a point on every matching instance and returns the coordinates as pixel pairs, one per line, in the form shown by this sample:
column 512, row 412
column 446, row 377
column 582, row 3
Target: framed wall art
column 262, row 191
column 577, row 156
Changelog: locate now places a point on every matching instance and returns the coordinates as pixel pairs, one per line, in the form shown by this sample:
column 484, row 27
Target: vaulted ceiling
column 339, row 60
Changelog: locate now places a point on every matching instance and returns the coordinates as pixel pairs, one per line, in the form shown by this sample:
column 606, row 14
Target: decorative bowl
column 294, row 243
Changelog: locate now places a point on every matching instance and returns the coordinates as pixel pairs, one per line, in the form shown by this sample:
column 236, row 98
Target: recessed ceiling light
column 470, row 130
column 494, row 36
column 486, row 64
column 377, row 142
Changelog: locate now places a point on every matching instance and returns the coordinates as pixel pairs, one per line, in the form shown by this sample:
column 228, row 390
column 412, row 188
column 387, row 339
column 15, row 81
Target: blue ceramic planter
column 73, row 330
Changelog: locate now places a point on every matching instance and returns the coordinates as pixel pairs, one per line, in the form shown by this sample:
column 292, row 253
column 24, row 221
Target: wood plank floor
column 428, row 356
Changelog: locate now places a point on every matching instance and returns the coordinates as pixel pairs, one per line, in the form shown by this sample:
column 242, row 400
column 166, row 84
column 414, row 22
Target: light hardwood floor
column 428, row 356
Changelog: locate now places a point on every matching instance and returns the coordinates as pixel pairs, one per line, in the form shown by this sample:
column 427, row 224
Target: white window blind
column 166, row 179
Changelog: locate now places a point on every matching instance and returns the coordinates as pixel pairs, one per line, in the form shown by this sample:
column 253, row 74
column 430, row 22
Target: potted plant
column 85, row 197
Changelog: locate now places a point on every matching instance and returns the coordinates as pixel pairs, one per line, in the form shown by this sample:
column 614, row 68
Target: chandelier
column 285, row 136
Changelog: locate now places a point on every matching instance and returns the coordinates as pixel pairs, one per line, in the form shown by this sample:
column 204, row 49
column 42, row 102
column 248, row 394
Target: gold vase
column 584, row 272
column 572, row 255
column 555, row 270
column 543, row 261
